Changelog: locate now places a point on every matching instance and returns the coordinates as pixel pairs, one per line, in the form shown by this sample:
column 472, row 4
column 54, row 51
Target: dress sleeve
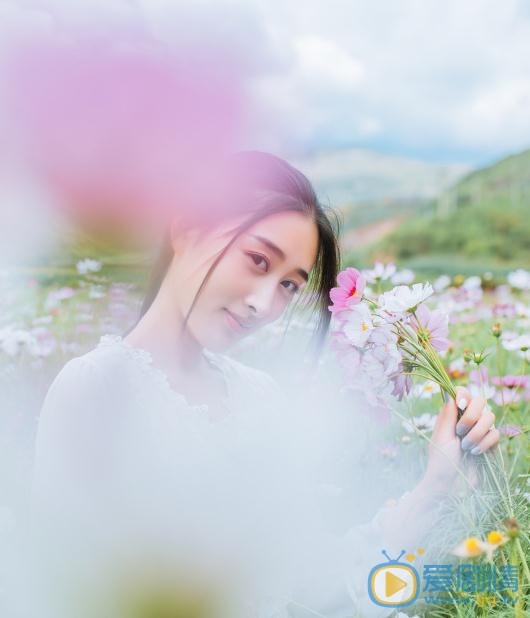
column 363, row 544
column 75, row 426
column 342, row 570
column 71, row 483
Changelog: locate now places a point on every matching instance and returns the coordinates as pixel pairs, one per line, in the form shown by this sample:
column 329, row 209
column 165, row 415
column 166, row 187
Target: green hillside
column 484, row 219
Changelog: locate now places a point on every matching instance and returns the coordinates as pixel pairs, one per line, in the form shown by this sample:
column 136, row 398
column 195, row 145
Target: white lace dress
column 125, row 467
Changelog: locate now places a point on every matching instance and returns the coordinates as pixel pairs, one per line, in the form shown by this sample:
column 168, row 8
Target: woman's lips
column 234, row 322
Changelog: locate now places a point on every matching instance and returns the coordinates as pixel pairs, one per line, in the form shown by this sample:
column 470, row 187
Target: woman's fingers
column 472, row 413
column 488, row 441
column 475, row 423
column 479, row 430
column 463, row 397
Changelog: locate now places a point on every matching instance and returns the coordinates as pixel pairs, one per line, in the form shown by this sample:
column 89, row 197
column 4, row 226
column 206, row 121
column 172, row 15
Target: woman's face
column 261, row 273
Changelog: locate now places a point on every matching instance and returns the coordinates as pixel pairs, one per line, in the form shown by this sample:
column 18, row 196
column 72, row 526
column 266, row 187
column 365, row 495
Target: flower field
column 479, row 326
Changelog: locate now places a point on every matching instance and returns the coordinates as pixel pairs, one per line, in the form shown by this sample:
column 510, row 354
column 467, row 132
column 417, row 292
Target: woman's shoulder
column 95, row 370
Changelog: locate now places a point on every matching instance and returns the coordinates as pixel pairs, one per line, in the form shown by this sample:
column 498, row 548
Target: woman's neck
column 160, row 332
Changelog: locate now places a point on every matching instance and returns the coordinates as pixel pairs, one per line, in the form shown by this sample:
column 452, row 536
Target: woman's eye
column 294, row 287
column 259, row 261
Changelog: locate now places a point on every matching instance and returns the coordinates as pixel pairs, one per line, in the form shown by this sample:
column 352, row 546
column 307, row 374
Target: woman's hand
column 450, row 438
column 410, row 520
column 407, row 523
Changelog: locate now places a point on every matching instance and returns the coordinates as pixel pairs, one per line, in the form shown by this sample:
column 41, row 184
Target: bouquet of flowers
column 382, row 342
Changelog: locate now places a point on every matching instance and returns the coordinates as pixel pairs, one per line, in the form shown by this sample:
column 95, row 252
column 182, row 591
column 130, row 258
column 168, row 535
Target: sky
column 444, row 81
column 437, row 81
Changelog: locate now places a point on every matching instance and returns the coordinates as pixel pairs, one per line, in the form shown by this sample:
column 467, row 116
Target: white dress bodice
column 118, row 446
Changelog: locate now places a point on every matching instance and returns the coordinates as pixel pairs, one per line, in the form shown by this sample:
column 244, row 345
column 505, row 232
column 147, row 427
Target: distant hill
column 356, row 176
column 483, row 219
column 506, row 180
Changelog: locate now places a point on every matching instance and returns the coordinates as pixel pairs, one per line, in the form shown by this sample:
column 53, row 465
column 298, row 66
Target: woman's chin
column 219, row 341
column 224, row 336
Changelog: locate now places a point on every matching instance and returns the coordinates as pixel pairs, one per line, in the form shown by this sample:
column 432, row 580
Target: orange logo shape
column 393, row 584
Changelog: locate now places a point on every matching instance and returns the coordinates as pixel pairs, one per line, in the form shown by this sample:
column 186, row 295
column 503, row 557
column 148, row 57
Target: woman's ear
column 178, row 235
column 181, row 236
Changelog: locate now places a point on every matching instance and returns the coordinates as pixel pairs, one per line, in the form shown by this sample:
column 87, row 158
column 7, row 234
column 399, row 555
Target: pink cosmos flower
column 511, row 389
column 505, row 310
column 479, row 384
column 348, row 356
column 510, row 381
column 402, row 384
column 434, row 324
column 349, row 291
column 388, row 449
column 480, row 376
column 510, row 430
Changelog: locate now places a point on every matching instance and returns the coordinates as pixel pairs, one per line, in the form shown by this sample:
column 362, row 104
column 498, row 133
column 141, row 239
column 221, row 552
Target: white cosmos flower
column 519, row 279
column 442, row 282
column 373, row 379
column 359, row 325
column 517, row 343
column 402, row 298
column 88, row 266
column 472, row 283
column 383, row 347
column 486, row 390
column 380, row 272
column 12, row 340
column 403, row 277
column 522, row 310
column 520, row 344
column 424, row 422
column 426, row 390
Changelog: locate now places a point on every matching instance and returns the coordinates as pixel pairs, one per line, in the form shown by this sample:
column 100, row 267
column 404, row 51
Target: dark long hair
column 261, row 185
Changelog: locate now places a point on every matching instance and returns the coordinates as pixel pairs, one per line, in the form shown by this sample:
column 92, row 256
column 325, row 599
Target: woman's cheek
column 230, row 279
column 279, row 306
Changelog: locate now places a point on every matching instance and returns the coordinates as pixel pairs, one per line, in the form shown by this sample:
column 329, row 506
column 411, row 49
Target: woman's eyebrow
column 268, row 243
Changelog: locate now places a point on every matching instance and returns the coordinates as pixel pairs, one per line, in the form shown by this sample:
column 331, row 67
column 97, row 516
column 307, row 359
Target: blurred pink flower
column 510, row 430
column 511, row 381
column 511, row 389
column 506, row 310
column 120, row 136
column 349, row 291
column 476, row 376
column 389, row 450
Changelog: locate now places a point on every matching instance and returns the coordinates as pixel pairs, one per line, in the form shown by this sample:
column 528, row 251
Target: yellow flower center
column 494, row 537
column 364, row 326
column 472, row 546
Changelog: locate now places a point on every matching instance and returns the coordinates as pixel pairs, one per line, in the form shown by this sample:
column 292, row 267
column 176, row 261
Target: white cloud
column 417, row 76
column 433, row 76
column 323, row 64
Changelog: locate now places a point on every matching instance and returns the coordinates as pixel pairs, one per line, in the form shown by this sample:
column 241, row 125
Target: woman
column 121, row 423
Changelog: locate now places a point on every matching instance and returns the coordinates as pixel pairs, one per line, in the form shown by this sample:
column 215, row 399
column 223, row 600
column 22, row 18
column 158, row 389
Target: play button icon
column 393, row 584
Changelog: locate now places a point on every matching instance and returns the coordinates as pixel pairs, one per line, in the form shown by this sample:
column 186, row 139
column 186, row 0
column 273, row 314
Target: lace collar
column 145, row 358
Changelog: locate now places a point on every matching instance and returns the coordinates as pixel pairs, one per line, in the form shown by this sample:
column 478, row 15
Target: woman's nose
column 261, row 299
